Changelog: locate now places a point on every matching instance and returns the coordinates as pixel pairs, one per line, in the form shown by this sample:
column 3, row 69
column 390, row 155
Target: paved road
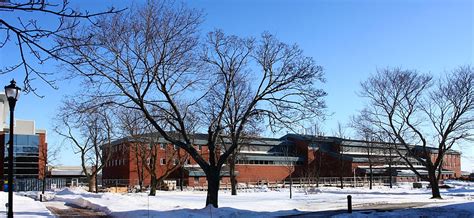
column 364, row 208
column 60, row 209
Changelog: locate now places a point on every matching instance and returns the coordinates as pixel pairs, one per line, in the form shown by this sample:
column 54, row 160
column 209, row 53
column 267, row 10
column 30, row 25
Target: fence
column 271, row 184
column 34, row 184
column 308, row 182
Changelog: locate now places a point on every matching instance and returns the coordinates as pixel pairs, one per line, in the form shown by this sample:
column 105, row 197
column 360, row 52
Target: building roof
column 67, row 170
column 355, row 142
column 200, row 139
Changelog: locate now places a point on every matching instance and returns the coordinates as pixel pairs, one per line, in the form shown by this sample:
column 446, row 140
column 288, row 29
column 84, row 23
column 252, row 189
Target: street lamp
column 13, row 93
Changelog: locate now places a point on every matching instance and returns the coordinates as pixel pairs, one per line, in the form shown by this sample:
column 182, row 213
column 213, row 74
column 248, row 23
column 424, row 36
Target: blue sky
column 350, row 39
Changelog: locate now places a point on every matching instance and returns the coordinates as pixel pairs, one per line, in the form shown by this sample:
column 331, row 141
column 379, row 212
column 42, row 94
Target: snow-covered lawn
column 23, row 206
column 265, row 203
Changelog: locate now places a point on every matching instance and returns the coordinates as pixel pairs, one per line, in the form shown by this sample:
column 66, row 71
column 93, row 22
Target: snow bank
column 23, row 206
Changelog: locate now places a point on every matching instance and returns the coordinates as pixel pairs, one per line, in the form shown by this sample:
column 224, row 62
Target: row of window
column 113, row 163
column 121, row 162
column 122, row 147
column 267, row 162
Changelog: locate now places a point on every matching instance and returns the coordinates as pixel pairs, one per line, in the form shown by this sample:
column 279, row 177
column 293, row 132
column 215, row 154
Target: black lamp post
column 13, row 93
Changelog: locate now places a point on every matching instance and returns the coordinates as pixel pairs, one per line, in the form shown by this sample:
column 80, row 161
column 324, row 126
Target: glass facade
column 26, row 155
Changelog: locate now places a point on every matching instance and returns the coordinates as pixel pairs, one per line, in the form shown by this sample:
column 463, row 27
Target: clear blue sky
column 350, row 39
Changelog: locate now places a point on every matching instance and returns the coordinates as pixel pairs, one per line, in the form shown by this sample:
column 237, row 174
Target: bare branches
column 90, row 131
column 405, row 105
column 33, row 36
column 150, row 59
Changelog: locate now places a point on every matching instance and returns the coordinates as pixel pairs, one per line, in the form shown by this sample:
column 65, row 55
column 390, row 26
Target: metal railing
column 270, row 184
column 34, row 184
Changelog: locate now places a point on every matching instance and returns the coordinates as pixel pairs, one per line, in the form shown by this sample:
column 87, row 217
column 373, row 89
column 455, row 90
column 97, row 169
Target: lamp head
column 12, row 91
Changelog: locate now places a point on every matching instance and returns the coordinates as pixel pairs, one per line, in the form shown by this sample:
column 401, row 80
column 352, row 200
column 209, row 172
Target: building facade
column 333, row 157
column 30, row 147
column 261, row 160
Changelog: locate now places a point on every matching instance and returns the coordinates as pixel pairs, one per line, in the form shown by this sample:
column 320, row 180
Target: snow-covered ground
column 458, row 201
column 23, row 206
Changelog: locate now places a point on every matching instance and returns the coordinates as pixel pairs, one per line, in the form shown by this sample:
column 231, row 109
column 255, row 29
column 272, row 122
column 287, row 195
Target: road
column 364, row 208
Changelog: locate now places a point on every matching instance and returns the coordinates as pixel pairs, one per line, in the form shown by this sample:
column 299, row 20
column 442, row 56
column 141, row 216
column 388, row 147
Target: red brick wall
column 43, row 155
column 451, row 161
column 128, row 170
column 255, row 172
column 330, row 165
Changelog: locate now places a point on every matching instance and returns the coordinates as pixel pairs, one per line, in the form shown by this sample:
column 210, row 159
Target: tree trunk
column 212, row 187
column 140, row 177
column 341, row 164
column 291, row 187
column 370, row 177
column 181, row 180
column 390, row 167
column 319, row 169
column 44, row 185
column 434, row 183
column 96, row 184
column 92, row 181
column 233, row 178
column 153, row 184
column 390, row 177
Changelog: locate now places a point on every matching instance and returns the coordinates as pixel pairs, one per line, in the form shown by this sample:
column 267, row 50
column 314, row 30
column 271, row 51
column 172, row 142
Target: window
column 196, row 180
column 188, row 161
column 200, row 147
column 162, row 161
column 162, row 146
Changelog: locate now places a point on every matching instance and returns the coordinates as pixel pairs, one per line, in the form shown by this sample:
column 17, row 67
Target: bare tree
column 228, row 140
column 340, row 132
column 21, row 28
column 133, row 126
column 289, row 153
column 403, row 102
column 369, row 134
column 388, row 150
column 90, row 132
column 149, row 59
column 46, row 157
column 146, row 147
column 318, row 131
column 368, row 138
column 172, row 160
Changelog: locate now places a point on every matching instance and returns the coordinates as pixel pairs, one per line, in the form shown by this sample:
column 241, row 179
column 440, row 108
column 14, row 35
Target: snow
column 263, row 202
column 23, row 206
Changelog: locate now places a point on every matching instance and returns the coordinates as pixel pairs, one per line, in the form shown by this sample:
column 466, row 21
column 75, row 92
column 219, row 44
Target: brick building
column 335, row 156
column 30, row 147
column 260, row 159
column 270, row 159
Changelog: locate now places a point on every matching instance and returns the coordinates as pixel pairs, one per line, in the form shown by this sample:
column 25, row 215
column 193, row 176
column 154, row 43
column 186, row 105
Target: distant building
column 273, row 159
column 327, row 153
column 74, row 175
column 30, row 147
